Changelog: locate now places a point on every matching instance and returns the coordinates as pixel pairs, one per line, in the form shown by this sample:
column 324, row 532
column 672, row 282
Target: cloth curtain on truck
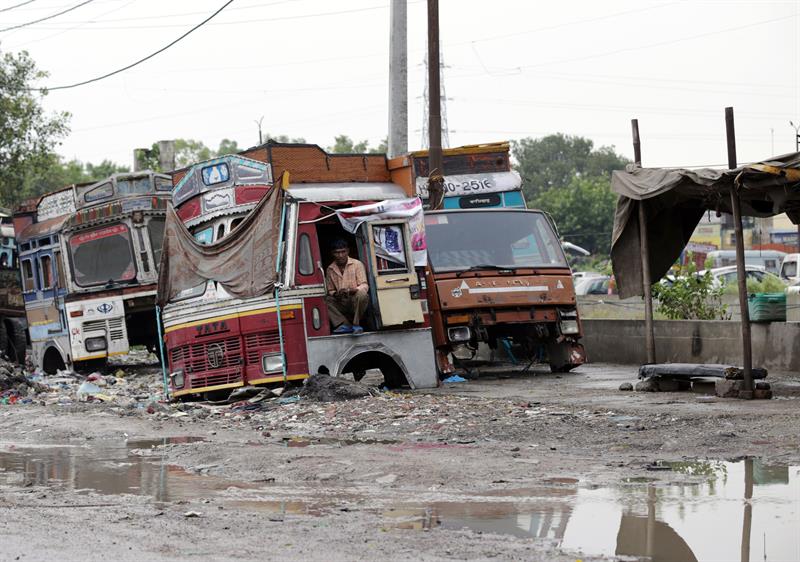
column 243, row 262
column 675, row 201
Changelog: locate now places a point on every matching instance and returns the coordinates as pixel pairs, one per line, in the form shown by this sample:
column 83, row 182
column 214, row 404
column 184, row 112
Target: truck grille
column 255, row 344
column 114, row 327
column 209, row 356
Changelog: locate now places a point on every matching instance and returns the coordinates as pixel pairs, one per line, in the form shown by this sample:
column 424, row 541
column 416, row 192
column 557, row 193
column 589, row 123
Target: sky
column 513, row 69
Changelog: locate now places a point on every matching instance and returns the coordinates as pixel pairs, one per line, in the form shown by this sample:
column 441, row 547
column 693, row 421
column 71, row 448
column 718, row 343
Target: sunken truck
column 498, row 274
column 245, row 285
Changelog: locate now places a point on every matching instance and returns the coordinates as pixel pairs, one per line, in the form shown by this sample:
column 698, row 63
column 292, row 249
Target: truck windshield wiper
column 485, row 266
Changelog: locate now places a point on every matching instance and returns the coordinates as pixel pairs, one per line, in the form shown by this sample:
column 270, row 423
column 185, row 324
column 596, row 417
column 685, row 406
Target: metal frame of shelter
column 665, row 205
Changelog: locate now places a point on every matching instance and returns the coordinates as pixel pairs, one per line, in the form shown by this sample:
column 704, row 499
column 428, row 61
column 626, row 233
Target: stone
column 762, row 385
column 647, row 385
column 762, row 394
column 626, row 386
column 727, row 388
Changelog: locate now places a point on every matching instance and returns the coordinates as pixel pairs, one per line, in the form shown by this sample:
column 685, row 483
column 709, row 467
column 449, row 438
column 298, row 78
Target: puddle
column 132, row 467
column 742, row 510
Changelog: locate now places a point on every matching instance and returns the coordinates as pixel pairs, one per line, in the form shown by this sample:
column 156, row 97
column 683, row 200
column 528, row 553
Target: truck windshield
column 473, row 239
column 101, row 255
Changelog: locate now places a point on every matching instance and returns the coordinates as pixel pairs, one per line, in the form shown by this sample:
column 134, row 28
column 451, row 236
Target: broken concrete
column 325, row 388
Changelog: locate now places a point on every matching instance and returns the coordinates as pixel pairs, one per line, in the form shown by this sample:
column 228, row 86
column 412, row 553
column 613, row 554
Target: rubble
column 325, row 388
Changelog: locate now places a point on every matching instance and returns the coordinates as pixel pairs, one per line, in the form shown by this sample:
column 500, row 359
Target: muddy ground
column 425, row 475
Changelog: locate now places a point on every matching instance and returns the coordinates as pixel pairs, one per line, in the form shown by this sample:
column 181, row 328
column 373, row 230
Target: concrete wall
column 775, row 344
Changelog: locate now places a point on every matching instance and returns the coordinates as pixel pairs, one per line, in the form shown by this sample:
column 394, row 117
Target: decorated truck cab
column 243, row 287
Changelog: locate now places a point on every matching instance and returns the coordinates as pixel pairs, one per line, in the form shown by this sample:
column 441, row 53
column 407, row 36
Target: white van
column 790, row 268
column 770, row 260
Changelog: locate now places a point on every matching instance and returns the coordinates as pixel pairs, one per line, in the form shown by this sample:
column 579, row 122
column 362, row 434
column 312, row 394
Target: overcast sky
column 515, row 68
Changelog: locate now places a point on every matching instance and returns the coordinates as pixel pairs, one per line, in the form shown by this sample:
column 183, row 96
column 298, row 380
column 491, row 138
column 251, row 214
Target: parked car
column 592, row 285
column 728, row 275
column 584, row 274
column 769, row 260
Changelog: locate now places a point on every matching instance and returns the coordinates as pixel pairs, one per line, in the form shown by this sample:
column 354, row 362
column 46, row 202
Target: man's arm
column 361, row 277
column 329, row 284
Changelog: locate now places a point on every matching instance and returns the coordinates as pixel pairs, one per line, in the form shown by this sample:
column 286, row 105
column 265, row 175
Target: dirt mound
column 325, row 388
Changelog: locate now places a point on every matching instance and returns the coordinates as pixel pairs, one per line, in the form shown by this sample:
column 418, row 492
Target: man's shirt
column 353, row 277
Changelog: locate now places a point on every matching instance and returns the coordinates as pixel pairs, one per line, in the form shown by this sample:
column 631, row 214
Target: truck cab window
column 28, row 284
column 305, row 259
column 390, row 248
column 47, row 272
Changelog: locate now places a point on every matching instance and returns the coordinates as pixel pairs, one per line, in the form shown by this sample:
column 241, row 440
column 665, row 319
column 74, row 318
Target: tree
column 583, row 212
column 285, row 139
column 553, row 161
column 345, row 145
column 227, row 146
column 28, row 135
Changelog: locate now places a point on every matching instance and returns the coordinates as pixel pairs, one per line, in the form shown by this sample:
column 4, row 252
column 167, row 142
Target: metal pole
column 398, row 79
column 741, row 275
column 644, row 244
column 436, row 180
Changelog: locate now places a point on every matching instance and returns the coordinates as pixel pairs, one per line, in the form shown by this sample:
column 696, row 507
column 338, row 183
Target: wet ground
column 540, row 467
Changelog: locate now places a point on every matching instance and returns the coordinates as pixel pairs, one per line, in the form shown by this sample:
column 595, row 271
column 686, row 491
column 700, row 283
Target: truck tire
column 17, row 343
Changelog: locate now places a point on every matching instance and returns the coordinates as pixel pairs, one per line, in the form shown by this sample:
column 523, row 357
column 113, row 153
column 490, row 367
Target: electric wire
column 140, row 61
column 51, row 16
column 17, row 6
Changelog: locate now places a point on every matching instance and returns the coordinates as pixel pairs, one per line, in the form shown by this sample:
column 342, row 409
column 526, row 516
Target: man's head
column 341, row 252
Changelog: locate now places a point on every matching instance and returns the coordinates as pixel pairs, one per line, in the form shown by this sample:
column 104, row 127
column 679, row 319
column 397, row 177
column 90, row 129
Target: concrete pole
column 436, row 177
column 741, row 274
column 166, row 155
column 398, row 79
column 644, row 244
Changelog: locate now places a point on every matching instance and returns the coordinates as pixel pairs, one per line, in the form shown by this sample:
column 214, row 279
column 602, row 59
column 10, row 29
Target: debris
column 695, row 370
column 454, row 378
column 325, row 388
column 87, row 389
column 626, row 386
column 189, row 514
column 647, row 385
column 388, row 479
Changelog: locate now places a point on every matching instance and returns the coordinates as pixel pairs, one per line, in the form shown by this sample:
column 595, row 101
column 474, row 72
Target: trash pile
column 15, row 387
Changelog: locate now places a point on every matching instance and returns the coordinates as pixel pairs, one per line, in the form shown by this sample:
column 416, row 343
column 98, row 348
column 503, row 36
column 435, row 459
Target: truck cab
column 499, row 276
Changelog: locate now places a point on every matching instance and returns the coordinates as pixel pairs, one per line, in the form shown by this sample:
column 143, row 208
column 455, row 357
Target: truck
column 498, row 275
column 89, row 256
column 220, row 337
column 13, row 339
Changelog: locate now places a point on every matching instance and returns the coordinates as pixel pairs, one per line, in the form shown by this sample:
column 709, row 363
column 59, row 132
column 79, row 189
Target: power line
column 140, row 61
column 17, row 6
column 61, row 13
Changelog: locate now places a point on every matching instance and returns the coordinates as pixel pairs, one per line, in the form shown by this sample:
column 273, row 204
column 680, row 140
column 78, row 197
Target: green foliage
column 570, row 179
column 583, row 211
column 345, row 145
column 770, row 284
column 554, row 161
column 27, row 134
column 227, row 146
column 691, row 297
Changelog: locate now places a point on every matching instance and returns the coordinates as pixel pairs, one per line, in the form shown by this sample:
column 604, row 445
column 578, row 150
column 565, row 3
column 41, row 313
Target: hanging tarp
column 243, row 262
column 388, row 239
column 675, row 200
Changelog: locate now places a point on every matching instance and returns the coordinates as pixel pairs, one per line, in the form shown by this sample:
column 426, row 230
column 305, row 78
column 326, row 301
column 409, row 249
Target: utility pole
column 258, row 122
column 398, row 79
column 436, row 173
column 796, row 149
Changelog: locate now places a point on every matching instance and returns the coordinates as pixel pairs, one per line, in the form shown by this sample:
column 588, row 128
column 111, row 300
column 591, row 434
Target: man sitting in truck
column 346, row 281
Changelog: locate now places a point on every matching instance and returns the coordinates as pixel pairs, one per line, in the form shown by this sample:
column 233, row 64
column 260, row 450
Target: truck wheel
column 91, row 366
column 17, row 343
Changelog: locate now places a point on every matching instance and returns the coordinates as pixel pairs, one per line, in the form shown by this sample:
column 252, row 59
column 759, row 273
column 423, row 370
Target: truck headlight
column 459, row 333
column 569, row 327
column 95, row 344
column 272, row 362
column 177, row 379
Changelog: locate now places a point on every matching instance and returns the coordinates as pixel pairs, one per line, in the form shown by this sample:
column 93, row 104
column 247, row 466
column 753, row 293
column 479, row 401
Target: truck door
column 394, row 283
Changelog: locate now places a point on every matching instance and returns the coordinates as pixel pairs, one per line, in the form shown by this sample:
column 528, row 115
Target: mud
column 533, row 467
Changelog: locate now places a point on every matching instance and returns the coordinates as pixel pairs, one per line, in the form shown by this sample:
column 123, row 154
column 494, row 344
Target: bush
column 770, row 284
column 691, row 297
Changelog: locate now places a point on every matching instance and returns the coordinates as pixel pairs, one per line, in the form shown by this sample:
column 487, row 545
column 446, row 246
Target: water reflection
column 135, row 467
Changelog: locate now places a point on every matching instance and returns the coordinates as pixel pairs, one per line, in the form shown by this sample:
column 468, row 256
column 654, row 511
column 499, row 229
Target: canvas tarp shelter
column 243, row 262
column 674, row 202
